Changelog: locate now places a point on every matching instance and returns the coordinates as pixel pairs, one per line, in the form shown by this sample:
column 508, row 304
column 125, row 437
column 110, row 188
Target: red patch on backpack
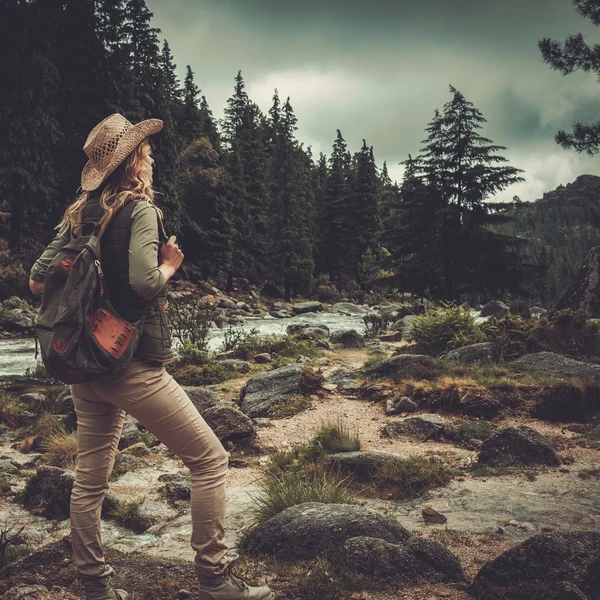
column 59, row 346
column 66, row 264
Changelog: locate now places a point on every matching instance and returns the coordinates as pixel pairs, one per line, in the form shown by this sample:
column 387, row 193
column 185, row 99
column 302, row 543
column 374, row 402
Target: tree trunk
column 17, row 211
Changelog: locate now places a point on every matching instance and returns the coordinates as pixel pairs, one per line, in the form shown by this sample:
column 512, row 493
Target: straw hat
column 109, row 144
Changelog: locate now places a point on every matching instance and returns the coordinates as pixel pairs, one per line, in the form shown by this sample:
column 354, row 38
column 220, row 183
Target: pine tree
column 190, row 121
column 244, row 132
column 412, row 234
column 572, row 55
column 168, row 67
column 333, row 239
column 363, row 212
column 152, row 93
column 202, row 186
column 29, row 129
column 465, row 169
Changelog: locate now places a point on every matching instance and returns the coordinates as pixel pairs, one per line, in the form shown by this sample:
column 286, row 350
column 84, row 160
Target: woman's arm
column 149, row 272
column 38, row 271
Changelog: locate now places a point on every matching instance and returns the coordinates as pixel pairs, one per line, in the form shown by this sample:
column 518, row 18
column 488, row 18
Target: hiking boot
column 99, row 588
column 231, row 586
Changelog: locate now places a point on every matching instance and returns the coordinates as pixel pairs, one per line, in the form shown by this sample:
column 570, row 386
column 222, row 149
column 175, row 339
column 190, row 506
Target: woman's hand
column 36, row 287
column 171, row 258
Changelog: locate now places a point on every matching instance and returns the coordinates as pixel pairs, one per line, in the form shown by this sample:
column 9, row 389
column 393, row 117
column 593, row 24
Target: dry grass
column 60, row 449
column 336, row 436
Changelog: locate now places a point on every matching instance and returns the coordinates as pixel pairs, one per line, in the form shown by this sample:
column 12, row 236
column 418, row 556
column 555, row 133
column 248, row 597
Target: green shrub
column 411, row 477
column 190, row 354
column 293, row 487
column 247, row 344
column 442, row 329
column 199, row 375
column 336, row 436
column 376, row 324
column 240, row 341
column 191, row 320
column 324, row 290
column 288, row 406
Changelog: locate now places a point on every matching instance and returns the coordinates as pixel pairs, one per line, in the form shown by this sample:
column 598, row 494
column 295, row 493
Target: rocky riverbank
column 458, row 465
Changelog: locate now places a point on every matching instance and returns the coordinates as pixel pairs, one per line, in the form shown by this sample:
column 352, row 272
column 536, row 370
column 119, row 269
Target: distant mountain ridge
column 560, row 229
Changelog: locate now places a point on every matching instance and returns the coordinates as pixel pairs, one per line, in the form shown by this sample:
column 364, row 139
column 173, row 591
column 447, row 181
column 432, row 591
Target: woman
column 118, row 176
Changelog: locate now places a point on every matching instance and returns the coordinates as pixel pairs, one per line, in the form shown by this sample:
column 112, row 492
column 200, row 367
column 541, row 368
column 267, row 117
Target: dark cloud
column 378, row 69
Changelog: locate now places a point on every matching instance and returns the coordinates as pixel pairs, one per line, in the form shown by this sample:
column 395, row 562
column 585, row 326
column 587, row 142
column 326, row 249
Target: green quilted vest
column 155, row 343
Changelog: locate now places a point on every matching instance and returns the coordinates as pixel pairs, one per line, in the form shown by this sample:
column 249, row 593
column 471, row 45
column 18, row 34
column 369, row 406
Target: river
column 16, row 356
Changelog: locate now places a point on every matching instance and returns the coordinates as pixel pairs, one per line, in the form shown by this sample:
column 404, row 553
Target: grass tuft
column 336, row 436
column 60, row 449
column 289, row 406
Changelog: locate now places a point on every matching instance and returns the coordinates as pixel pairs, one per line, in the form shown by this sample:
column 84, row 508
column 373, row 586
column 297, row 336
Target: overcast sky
column 377, row 69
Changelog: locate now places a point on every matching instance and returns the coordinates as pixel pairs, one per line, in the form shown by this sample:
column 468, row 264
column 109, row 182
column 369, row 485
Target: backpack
column 80, row 334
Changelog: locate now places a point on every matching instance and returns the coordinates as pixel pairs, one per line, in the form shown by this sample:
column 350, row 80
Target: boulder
column 308, row 332
column 177, row 490
column 266, row 389
column 349, row 309
column 312, row 529
column 124, row 463
column 400, row 404
column 348, row 338
column 262, row 358
column 404, row 324
column 49, row 491
column 390, row 312
column 17, row 315
column 473, row 354
column 201, row 398
column 140, row 450
column 517, row 446
column 148, row 514
column 238, row 366
column 538, row 566
column 130, row 434
column 559, row 366
column 396, row 336
column 495, row 308
column 306, row 307
column 389, row 366
column 227, row 304
column 537, row 311
column 280, row 314
column 412, row 561
column 228, row 422
column 7, row 467
column 421, row 427
column 361, row 464
column 584, row 290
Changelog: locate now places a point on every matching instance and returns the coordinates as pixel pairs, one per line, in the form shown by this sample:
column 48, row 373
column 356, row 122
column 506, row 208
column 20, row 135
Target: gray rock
column 148, row 514
column 422, row 427
column 305, row 307
column 473, row 354
column 535, row 568
column 364, row 465
column 594, row 433
column 400, row 404
column 36, row 403
column 280, row 314
column 201, row 398
column 140, row 450
column 228, row 422
column 7, row 467
column 389, row 366
column 124, row 463
column 389, row 312
column 495, row 308
column 262, row 358
column 16, row 315
column 517, row 446
column 266, row 389
column 348, row 308
column 413, row 561
column 396, row 336
column 308, row 332
column 177, row 490
column 280, row 306
column 27, row 592
column 404, row 324
column 228, row 304
column 348, row 339
column 131, row 434
column 305, row 531
column 557, row 365
column 233, row 364
column 537, row 311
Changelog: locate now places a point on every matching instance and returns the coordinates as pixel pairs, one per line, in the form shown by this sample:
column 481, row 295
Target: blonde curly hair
column 130, row 182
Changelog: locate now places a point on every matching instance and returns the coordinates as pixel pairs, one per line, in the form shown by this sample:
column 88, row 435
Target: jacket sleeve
column 144, row 276
column 38, row 271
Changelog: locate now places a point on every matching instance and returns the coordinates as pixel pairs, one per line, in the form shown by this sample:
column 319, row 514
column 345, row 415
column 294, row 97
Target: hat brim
column 91, row 177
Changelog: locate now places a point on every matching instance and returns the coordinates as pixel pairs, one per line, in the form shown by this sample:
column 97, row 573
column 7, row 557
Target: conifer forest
column 248, row 200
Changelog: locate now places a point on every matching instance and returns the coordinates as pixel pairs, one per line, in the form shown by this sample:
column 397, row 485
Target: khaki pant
column 151, row 395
